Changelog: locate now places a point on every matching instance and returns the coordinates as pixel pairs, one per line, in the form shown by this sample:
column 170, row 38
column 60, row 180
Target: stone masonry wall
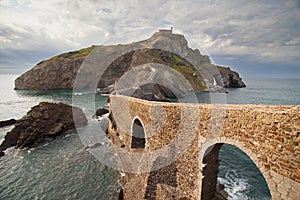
column 179, row 134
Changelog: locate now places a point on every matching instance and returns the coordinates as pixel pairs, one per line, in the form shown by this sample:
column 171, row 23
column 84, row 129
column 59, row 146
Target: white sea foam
column 46, row 144
column 68, row 135
column 100, row 118
column 10, row 150
column 104, row 116
column 236, row 186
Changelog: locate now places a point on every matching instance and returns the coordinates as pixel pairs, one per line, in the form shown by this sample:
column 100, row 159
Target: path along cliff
column 59, row 72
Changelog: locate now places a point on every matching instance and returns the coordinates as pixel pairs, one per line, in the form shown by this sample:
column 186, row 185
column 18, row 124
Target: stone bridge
column 170, row 150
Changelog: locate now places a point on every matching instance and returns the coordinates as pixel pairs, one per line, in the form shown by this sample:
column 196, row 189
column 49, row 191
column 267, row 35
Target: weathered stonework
column 179, row 134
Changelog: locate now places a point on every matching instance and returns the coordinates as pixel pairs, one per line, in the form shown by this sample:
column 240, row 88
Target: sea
column 64, row 169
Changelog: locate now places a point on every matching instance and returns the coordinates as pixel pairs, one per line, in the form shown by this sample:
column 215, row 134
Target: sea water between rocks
column 63, row 169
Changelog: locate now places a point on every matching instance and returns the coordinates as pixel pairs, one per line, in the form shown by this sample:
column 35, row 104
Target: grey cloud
column 258, row 29
column 293, row 3
column 252, row 24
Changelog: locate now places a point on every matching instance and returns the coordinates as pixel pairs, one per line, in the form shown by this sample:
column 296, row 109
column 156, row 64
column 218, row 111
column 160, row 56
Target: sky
column 257, row 38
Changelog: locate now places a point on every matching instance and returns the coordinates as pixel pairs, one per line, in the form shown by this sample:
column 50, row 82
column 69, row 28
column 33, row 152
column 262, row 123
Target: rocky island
column 43, row 123
column 59, row 72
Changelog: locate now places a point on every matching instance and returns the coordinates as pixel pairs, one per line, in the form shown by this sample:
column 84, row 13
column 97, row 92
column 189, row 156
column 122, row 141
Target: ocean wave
column 236, row 186
column 100, row 118
column 12, row 150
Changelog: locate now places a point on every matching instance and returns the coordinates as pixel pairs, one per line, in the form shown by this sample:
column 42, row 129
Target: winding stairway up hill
column 59, row 72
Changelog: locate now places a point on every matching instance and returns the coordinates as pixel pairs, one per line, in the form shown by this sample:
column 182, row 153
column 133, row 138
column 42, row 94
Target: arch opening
column 138, row 139
column 229, row 173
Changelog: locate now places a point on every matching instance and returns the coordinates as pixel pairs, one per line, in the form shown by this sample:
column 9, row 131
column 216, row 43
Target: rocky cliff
column 142, row 57
column 229, row 78
column 59, row 72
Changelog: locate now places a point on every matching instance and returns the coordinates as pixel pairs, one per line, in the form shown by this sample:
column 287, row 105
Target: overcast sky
column 258, row 38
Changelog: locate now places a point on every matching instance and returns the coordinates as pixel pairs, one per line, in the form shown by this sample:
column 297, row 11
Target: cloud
column 264, row 30
column 293, row 3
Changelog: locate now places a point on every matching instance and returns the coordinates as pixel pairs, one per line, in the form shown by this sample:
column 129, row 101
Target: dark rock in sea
column 153, row 92
column 117, row 193
column 43, row 122
column 221, row 194
column 230, row 78
column 7, row 122
column 100, row 112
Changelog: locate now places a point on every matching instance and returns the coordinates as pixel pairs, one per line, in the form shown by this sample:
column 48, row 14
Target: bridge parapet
column 179, row 136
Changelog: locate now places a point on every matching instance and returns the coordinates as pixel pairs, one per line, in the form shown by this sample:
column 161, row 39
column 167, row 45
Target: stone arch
column 210, row 160
column 253, row 156
column 138, row 137
column 210, row 172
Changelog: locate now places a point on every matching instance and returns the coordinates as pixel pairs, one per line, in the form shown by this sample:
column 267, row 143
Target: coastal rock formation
column 153, row 92
column 142, row 57
column 59, row 72
column 7, row 122
column 100, row 112
column 44, row 121
column 229, row 78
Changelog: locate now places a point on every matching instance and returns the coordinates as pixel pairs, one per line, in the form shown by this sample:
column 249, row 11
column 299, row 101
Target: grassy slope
column 176, row 62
